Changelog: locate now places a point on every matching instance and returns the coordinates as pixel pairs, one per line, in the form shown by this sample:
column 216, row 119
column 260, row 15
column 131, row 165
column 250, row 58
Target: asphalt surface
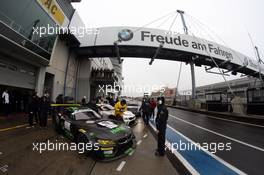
column 246, row 141
column 17, row 156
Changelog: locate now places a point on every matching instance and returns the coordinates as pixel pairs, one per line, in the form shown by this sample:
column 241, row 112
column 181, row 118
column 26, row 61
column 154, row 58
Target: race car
column 110, row 139
column 108, row 111
column 134, row 108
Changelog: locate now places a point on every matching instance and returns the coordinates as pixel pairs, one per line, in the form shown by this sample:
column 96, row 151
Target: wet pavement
column 17, row 155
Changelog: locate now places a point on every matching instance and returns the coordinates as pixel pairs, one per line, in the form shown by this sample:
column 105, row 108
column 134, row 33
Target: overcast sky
column 231, row 20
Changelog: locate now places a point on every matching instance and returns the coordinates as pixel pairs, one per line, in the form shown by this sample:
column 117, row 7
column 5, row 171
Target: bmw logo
column 125, row 35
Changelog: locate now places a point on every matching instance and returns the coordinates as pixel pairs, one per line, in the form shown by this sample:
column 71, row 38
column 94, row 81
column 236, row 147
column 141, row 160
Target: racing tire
column 81, row 138
column 59, row 126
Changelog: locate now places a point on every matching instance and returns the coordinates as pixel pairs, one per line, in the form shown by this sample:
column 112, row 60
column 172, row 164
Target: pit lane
column 18, row 157
column 246, row 140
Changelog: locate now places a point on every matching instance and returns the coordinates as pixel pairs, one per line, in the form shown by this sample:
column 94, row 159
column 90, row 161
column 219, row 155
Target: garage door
column 17, row 73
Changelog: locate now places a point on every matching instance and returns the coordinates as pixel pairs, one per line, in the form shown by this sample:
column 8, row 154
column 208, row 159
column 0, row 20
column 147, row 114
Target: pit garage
column 19, row 79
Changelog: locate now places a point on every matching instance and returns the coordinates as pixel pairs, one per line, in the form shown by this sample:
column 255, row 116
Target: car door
column 67, row 122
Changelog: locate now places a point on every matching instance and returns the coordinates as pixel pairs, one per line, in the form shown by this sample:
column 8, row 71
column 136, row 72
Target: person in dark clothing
column 55, row 110
column 83, row 102
column 161, row 123
column 59, row 99
column 30, row 112
column 92, row 105
column 111, row 101
column 146, row 110
column 33, row 109
column 153, row 105
column 44, row 110
column 26, row 101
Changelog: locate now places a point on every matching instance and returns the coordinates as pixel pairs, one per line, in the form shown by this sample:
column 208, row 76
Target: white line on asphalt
column 139, row 142
column 243, row 123
column 216, row 133
column 209, row 153
column 121, row 165
column 183, row 160
column 179, row 156
column 146, row 135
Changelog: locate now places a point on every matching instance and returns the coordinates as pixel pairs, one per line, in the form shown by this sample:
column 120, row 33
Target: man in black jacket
column 33, row 109
column 92, row 105
column 146, row 110
column 161, row 123
column 44, row 110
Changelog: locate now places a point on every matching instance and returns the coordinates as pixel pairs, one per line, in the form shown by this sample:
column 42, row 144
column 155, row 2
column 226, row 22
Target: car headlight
column 106, row 142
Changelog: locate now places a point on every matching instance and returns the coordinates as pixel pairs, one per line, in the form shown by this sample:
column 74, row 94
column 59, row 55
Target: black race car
column 109, row 139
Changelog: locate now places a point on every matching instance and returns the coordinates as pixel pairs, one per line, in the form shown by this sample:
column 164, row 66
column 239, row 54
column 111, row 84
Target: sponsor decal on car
column 118, row 130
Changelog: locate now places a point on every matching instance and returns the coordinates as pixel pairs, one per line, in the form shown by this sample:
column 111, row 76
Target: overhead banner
column 54, row 11
column 147, row 37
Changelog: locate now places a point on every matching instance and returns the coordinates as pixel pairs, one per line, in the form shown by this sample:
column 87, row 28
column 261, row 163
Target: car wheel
column 57, row 124
column 60, row 126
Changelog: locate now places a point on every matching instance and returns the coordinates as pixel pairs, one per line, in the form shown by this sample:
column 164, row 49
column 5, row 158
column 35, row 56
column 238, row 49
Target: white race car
column 108, row 111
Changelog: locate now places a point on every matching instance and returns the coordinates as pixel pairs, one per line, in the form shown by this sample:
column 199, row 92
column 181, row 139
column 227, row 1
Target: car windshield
column 88, row 115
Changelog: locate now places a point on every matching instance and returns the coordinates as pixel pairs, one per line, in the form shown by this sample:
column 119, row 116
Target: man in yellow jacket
column 120, row 108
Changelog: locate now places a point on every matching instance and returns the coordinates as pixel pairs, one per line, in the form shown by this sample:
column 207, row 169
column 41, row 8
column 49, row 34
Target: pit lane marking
column 16, row 127
column 146, row 135
column 221, row 135
column 243, row 123
column 180, row 157
column 139, row 142
column 121, row 166
column 209, row 153
column 233, row 121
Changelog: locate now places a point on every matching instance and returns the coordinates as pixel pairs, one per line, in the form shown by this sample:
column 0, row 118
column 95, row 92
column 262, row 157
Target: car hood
column 101, row 130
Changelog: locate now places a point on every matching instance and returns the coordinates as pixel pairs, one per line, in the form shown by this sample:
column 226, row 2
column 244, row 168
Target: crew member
column 92, row 105
column 153, row 105
column 161, row 123
column 59, row 99
column 6, row 102
column 44, row 110
column 84, row 101
column 146, row 110
column 33, row 109
column 120, row 108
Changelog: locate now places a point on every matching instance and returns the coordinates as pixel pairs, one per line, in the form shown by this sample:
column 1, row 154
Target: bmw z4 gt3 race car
column 110, row 139
column 108, row 111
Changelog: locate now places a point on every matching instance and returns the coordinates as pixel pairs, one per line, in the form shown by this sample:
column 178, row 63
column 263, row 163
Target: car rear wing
column 65, row 105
